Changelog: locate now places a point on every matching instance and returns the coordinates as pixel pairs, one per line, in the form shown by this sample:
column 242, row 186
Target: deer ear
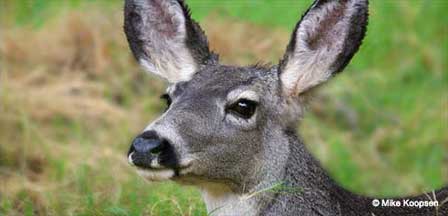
column 164, row 39
column 322, row 44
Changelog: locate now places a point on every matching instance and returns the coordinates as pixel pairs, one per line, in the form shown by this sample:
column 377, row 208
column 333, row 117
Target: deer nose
column 144, row 148
column 147, row 143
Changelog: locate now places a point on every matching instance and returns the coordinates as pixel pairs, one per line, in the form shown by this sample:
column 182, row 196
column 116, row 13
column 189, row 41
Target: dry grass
column 244, row 43
column 62, row 106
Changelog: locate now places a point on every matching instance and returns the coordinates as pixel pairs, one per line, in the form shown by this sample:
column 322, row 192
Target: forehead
column 220, row 80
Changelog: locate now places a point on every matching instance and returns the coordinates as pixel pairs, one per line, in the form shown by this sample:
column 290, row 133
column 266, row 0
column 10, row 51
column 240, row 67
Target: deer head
column 226, row 125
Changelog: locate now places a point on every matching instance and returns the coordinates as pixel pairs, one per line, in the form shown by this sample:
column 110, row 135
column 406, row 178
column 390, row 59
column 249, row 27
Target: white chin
column 156, row 175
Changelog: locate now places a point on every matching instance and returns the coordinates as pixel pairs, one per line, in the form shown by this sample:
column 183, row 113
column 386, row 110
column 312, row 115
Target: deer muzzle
column 150, row 151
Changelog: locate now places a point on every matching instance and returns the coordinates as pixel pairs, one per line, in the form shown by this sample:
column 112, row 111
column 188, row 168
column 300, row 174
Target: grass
column 72, row 98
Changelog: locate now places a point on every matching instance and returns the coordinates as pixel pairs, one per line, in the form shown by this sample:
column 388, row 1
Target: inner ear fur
column 323, row 43
column 164, row 39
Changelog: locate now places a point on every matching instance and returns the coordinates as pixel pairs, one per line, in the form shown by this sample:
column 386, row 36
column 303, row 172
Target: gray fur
column 235, row 161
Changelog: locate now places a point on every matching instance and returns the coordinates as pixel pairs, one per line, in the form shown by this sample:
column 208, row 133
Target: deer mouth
column 157, row 169
column 161, row 174
column 156, row 174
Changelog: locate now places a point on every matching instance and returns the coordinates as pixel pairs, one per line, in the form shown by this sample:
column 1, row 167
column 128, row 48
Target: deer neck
column 306, row 188
column 287, row 184
column 296, row 184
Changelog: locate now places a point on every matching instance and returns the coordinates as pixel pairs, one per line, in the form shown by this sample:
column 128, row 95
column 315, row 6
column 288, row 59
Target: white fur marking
column 156, row 175
column 130, row 159
column 155, row 163
column 220, row 200
column 237, row 94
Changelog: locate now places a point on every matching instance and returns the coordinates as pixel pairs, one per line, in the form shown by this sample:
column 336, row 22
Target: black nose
column 147, row 142
column 144, row 148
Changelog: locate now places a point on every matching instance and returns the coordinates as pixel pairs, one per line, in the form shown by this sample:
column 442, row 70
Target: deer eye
column 243, row 108
column 167, row 99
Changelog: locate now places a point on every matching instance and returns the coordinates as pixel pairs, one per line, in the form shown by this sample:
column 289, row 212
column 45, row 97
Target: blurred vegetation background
column 72, row 98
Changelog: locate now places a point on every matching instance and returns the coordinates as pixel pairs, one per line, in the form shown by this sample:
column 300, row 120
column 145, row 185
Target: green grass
column 379, row 127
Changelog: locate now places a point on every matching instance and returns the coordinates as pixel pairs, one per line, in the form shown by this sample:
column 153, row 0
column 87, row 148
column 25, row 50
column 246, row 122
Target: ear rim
column 194, row 41
column 196, row 36
column 351, row 45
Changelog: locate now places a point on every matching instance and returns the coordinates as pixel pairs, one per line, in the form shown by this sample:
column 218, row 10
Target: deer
column 231, row 130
